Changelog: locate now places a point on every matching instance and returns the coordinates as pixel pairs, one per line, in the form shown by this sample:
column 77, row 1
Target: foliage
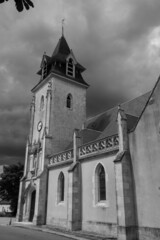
column 9, row 184
column 20, row 4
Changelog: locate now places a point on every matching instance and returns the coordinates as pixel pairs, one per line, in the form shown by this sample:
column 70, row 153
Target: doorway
column 32, row 206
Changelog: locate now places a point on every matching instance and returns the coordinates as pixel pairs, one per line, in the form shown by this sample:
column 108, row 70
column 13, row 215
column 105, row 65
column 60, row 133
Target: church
column 99, row 174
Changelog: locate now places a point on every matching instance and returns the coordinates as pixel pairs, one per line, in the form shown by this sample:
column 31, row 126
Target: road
column 16, row 233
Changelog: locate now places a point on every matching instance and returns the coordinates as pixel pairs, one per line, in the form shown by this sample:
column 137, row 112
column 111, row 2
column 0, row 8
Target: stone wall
column 145, row 152
column 64, row 120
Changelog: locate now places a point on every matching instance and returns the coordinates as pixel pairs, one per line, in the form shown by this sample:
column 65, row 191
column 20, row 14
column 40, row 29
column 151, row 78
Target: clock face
column 39, row 126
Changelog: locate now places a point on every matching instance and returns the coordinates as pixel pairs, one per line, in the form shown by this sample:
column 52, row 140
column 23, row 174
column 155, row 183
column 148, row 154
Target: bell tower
column 57, row 108
column 61, row 75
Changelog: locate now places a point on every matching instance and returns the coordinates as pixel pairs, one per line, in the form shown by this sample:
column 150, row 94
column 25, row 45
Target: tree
column 9, row 185
column 20, row 4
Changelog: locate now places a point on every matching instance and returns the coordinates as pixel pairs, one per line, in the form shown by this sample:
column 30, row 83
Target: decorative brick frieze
column 108, row 144
column 61, row 157
column 105, row 145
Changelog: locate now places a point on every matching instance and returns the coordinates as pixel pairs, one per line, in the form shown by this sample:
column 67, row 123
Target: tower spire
column 63, row 26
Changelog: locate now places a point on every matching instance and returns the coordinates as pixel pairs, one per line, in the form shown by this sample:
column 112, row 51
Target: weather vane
column 63, row 26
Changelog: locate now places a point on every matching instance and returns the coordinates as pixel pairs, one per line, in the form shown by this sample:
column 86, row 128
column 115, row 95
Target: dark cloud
column 13, row 133
column 117, row 41
column 144, row 16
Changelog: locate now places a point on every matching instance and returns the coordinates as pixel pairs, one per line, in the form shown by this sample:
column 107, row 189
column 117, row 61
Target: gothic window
column 100, row 183
column 70, row 67
column 69, row 101
column 42, row 103
column 61, row 187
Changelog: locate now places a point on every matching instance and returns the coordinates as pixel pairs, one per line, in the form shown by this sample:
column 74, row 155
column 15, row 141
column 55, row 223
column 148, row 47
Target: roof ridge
column 149, row 97
column 116, row 106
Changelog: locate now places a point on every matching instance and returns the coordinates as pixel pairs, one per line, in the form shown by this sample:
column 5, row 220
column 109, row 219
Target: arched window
column 70, row 67
column 69, row 101
column 61, row 187
column 42, row 103
column 100, row 183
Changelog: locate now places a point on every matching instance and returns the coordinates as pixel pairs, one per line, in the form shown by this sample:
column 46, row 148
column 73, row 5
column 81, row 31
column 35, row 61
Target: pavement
column 76, row 235
column 6, row 221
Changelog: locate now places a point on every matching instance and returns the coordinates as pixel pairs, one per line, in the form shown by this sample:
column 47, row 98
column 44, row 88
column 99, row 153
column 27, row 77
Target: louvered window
column 70, row 67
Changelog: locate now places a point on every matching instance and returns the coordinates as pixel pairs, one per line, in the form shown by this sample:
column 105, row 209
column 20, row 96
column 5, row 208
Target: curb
column 70, row 235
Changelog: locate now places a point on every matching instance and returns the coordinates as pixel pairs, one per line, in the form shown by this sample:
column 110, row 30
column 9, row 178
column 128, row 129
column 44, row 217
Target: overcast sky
column 118, row 41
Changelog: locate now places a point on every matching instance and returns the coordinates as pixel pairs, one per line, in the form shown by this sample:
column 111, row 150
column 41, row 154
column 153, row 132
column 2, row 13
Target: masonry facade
column 98, row 174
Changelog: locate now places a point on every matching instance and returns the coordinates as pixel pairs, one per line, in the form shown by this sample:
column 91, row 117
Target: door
column 32, row 207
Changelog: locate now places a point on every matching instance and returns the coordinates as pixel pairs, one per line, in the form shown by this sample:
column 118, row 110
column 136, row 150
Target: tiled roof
column 86, row 135
column 57, row 63
column 78, row 79
column 106, row 122
column 62, row 48
column 61, row 52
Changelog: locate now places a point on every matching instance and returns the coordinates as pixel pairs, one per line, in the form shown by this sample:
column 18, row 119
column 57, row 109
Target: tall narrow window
column 100, row 183
column 69, row 101
column 70, row 67
column 42, row 103
column 61, row 187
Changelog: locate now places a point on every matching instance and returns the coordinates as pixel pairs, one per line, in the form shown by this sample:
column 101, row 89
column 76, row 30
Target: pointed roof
column 57, row 63
column 61, row 52
column 62, row 48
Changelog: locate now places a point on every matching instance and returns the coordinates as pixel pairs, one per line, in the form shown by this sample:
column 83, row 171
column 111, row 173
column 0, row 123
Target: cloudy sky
column 118, row 41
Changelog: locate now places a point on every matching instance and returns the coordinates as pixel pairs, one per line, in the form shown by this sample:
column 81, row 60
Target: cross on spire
column 63, row 26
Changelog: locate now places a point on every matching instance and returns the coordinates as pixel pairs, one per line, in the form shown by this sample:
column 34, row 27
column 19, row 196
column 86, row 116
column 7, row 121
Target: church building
column 99, row 174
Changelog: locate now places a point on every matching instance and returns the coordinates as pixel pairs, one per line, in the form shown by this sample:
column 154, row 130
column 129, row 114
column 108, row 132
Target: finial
column 122, row 112
column 119, row 106
column 63, row 26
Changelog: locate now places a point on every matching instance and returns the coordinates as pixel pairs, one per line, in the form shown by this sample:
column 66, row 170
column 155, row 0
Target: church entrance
column 32, row 207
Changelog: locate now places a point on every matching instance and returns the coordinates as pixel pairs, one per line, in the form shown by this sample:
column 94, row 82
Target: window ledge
column 61, row 203
column 102, row 204
column 70, row 109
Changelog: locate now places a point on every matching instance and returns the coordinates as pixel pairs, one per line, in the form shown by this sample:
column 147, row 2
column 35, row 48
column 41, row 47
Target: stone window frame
column 69, row 101
column 95, row 191
column 61, row 188
column 42, row 103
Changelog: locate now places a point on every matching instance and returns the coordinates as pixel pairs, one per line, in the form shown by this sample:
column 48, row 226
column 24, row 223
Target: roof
column 62, row 48
column 86, row 135
column 62, row 51
column 106, row 122
column 57, row 63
